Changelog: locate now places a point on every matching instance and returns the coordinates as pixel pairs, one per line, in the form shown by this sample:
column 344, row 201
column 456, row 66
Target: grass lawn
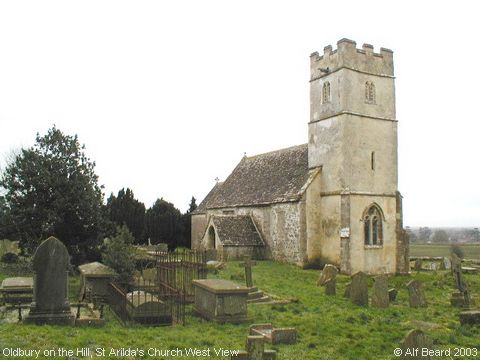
column 472, row 251
column 328, row 327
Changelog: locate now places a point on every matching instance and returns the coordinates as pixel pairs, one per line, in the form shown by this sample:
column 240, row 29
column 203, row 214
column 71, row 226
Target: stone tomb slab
column 144, row 307
column 94, row 280
column 471, row 317
column 16, row 290
column 273, row 335
column 220, row 300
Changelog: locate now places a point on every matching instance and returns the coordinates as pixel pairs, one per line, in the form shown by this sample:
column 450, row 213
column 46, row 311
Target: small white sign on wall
column 345, row 232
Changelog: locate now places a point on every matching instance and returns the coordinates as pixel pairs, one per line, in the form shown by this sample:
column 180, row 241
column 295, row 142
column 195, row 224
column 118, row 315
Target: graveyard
column 326, row 324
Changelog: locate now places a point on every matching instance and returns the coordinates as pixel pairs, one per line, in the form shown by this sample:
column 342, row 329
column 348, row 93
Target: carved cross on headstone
column 247, row 264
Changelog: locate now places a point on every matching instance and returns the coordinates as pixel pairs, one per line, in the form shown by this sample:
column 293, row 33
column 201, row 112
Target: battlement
column 346, row 55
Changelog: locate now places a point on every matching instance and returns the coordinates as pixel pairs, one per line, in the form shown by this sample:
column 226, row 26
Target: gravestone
column 346, row 294
column 418, row 265
column 359, row 289
column 392, row 294
column 416, row 294
column 380, row 296
column 255, row 347
column 50, row 288
column 413, row 343
column 447, row 264
column 329, row 272
column 456, row 264
column 331, row 287
column 247, row 264
column 462, row 297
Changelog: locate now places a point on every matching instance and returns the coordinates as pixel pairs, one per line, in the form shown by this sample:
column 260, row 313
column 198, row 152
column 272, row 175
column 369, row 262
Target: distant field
column 472, row 251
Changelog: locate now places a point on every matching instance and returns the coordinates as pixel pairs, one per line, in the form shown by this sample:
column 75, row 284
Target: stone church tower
column 353, row 138
column 334, row 199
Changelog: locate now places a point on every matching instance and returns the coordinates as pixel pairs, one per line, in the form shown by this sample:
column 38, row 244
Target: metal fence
column 160, row 299
column 176, row 271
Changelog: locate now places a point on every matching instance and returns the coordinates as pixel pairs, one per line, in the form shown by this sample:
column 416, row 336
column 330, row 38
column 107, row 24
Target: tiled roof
column 237, row 230
column 204, row 204
column 274, row 177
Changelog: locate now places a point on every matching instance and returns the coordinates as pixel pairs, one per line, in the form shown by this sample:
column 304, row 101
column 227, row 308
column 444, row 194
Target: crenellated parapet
column 347, row 55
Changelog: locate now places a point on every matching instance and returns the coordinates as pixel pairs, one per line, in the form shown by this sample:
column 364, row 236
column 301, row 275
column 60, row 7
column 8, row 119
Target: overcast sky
column 167, row 96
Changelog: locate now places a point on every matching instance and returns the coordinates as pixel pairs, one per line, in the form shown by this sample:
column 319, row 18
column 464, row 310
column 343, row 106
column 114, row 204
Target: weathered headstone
column 247, row 264
column 329, row 272
column 447, row 263
column 416, row 294
column 392, row 294
column 462, row 297
column 255, row 350
column 346, row 294
column 50, row 289
column 255, row 347
column 331, row 287
column 359, row 289
column 413, row 343
column 380, row 296
column 418, row 265
column 456, row 263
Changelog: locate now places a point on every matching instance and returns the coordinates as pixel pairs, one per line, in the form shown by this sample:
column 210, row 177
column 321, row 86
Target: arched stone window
column 326, row 92
column 373, row 225
column 370, row 92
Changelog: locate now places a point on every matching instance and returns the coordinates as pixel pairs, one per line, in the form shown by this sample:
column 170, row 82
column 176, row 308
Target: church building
column 334, row 199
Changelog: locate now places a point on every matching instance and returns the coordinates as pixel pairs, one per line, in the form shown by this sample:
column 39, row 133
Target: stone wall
column 282, row 227
column 373, row 259
column 199, row 225
column 285, row 232
column 330, row 228
column 238, row 252
column 313, row 215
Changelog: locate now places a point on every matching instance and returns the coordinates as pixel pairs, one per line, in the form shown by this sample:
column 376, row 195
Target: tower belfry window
column 370, row 92
column 326, row 92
